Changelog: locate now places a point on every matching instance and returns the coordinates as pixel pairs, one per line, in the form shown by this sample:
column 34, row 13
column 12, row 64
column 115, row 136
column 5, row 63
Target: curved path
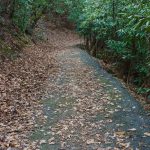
column 88, row 109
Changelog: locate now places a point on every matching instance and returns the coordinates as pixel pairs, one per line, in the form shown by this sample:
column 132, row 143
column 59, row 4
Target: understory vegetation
column 117, row 31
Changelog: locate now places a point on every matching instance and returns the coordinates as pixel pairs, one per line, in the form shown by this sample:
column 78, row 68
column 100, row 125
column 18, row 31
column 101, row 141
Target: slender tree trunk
column 12, row 8
column 114, row 16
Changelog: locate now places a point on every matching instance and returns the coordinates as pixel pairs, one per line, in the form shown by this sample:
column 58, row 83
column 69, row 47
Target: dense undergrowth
column 119, row 33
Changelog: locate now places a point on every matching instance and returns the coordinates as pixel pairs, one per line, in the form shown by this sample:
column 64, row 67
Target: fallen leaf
column 90, row 141
column 133, row 129
column 147, row 133
column 43, row 142
column 51, row 141
column 120, row 133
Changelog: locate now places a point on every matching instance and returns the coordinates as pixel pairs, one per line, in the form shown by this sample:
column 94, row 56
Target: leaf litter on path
column 23, row 82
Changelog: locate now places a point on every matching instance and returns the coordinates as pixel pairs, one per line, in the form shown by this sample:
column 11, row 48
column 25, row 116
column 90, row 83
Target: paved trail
column 88, row 109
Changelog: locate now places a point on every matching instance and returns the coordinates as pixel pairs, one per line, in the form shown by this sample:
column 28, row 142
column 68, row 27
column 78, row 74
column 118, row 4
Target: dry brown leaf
column 147, row 133
column 42, row 142
column 90, row 141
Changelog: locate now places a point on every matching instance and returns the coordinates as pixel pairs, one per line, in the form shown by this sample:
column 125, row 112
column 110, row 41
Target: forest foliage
column 118, row 31
column 23, row 14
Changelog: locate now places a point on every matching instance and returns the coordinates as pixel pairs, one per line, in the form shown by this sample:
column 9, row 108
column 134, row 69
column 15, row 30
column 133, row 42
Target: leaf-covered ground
column 71, row 102
column 86, row 108
column 23, row 81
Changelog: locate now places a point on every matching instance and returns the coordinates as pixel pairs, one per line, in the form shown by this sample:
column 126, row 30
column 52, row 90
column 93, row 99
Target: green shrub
column 122, row 26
